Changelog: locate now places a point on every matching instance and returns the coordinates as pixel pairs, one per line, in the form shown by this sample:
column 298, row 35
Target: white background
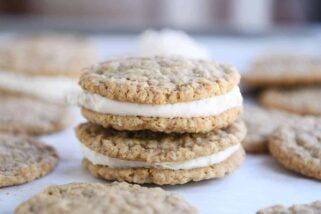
column 259, row 182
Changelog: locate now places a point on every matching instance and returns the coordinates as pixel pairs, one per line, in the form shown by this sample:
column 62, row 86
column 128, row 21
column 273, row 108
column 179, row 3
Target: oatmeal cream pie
column 45, row 66
column 160, row 158
column 161, row 94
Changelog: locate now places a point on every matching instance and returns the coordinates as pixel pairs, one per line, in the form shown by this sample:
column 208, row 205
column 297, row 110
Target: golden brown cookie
column 153, row 147
column 32, row 117
column 167, row 125
column 47, row 55
column 284, row 70
column 167, row 176
column 83, row 198
column 304, row 100
column 261, row 123
column 150, row 157
column 23, row 159
column 298, row 146
column 159, row 80
column 312, row 208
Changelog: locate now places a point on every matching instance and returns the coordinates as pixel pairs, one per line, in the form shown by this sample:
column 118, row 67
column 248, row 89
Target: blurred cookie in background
column 283, row 70
column 261, row 123
column 302, row 100
column 45, row 66
column 32, row 116
column 312, row 208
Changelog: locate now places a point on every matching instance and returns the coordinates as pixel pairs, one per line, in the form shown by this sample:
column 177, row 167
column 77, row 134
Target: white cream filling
column 99, row 159
column 53, row 89
column 211, row 106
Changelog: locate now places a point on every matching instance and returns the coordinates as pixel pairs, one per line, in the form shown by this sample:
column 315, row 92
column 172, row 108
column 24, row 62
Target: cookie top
column 47, row 55
column 31, row 116
column 313, row 208
column 23, row 159
column 284, row 70
column 159, row 80
column 298, row 146
column 154, row 147
column 305, row 100
column 104, row 198
column 261, row 123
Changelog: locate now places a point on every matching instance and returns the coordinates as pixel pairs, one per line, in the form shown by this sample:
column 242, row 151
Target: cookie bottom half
column 166, row 176
column 167, row 125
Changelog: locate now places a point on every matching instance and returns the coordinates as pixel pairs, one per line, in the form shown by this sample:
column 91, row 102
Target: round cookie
column 305, row 101
column 298, row 146
column 47, row 55
column 159, row 80
column 154, row 83
column 159, row 152
column 83, row 198
column 261, row 123
column 167, row 176
column 32, row 117
column 284, row 70
column 313, row 208
column 167, row 125
column 23, row 159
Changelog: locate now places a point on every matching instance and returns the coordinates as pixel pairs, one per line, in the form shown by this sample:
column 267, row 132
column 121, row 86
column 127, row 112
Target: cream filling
column 99, row 159
column 53, row 89
column 211, row 106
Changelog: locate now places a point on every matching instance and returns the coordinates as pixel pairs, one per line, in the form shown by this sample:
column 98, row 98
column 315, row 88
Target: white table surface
column 258, row 183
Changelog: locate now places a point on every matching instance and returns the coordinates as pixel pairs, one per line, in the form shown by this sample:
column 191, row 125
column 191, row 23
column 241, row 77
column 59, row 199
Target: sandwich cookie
column 261, row 124
column 312, row 208
column 161, row 94
column 44, row 66
column 284, row 70
column 31, row 116
column 23, row 159
column 304, row 100
column 153, row 157
column 83, row 198
column 298, row 146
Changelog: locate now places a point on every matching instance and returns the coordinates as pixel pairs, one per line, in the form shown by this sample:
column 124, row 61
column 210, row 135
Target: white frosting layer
column 211, row 106
column 53, row 89
column 99, row 159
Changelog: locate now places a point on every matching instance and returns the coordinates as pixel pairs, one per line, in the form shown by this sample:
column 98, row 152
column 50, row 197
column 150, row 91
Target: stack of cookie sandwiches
column 161, row 120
